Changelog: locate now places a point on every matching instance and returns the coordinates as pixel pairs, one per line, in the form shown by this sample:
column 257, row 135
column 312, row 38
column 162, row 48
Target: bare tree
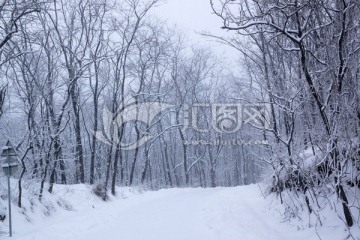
column 315, row 36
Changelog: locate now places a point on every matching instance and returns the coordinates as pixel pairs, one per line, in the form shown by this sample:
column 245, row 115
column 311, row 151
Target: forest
column 101, row 92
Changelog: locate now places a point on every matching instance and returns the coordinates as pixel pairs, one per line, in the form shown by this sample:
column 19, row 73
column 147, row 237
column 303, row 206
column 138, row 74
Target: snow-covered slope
column 176, row 214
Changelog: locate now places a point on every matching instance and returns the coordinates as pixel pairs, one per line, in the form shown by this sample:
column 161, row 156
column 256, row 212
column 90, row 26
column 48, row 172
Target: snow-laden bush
column 100, row 191
column 317, row 185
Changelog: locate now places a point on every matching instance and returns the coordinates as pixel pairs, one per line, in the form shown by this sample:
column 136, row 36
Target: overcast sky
column 193, row 16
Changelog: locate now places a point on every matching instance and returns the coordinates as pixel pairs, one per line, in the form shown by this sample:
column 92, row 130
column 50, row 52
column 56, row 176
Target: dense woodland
column 304, row 56
column 66, row 64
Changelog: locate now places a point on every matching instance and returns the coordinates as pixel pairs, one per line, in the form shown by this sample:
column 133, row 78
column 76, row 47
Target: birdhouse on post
column 9, row 164
column 9, row 161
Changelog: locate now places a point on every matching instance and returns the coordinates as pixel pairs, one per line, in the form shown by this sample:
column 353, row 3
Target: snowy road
column 173, row 214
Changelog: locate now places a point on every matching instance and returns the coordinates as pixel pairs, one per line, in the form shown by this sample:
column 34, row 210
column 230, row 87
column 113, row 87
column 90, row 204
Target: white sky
column 193, row 16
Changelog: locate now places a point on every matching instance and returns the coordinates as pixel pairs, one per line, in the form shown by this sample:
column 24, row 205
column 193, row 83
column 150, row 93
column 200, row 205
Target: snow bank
column 74, row 212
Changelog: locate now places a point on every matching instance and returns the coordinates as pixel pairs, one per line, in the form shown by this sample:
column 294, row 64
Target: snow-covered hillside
column 183, row 214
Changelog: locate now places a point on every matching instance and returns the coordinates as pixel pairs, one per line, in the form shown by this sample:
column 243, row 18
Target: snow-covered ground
column 239, row 213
